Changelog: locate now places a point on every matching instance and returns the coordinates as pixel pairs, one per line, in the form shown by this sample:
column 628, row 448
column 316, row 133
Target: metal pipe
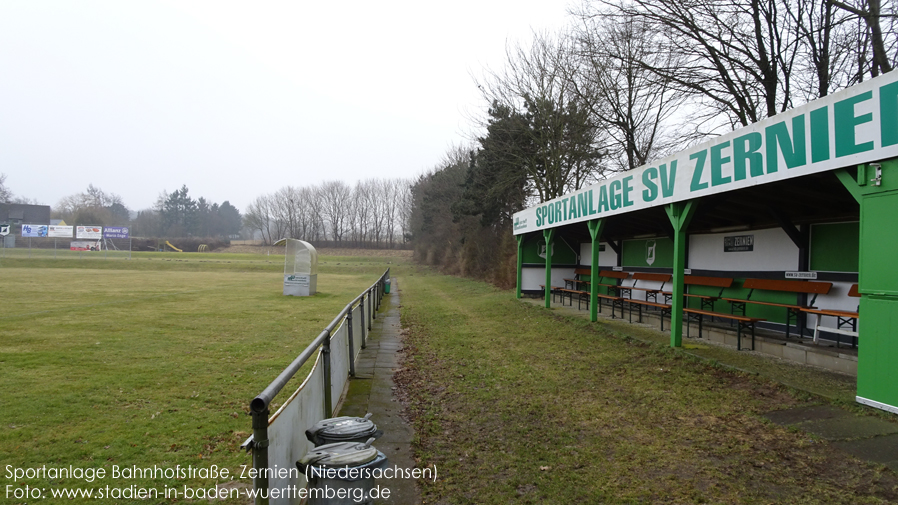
column 264, row 398
column 260, row 454
column 351, row 347
column 364, row 322
column 326, row 362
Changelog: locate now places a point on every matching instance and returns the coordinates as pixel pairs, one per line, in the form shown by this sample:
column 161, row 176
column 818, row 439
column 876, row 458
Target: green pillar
column 520, row 262
column 549, row 235
column 595, row 231
column 878, row 282
column 680, row 214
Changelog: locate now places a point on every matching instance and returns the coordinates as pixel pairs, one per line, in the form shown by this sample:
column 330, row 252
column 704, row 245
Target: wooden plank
column 709, row 313
column 810, row 287
column 613, row 274
column 647, row 276
column 699, row 280
column 833, row 313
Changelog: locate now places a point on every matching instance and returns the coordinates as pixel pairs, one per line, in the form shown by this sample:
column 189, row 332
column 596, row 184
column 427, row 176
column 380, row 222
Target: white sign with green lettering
column 854, row 126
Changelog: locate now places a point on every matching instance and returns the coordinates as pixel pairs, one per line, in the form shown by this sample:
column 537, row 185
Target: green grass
column 514, row 403
column 149, row 361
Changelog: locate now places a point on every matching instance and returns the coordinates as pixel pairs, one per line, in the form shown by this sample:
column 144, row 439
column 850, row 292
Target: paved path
column 864, row 437
column 372, row 391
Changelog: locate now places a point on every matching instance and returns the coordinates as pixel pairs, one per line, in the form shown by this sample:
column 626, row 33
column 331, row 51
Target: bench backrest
column 853, row 291
column 613, row 274
column 817, row 288
column 582, row 271
column 645, row 276
column 717, row 282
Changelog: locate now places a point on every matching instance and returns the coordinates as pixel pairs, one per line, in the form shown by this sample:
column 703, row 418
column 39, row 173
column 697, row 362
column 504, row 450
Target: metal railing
column 366, row 306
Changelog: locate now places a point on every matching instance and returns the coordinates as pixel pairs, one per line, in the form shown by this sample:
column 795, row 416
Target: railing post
column 370, row 307
column 351, row 347
column 364, row 321
column 326, row 362
column 374, row 303
column 260, row 454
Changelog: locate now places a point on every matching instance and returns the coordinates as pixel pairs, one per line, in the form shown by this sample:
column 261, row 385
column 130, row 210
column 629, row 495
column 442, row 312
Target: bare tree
column 5, row 193
column 626, row 101
column 736, row 54
column 870, row 11
column 260, row 216
column 333, row 197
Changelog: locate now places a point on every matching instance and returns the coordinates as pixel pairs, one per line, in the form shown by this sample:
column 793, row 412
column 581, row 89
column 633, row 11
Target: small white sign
column 687, row 271
column 618, row 269
column 801, row 275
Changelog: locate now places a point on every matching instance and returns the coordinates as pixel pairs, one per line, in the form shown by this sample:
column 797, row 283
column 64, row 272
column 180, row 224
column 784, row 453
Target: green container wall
column 877, row 377
column 562, row 253
column 835, row 247
column 635, row 253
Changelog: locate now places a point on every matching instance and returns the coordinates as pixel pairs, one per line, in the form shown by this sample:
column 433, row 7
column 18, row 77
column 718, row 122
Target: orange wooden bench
column 790, row 286
column 578, row 279
column 843, row 317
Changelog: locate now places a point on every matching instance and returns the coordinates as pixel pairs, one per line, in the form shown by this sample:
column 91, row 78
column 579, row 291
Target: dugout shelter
column 809, row 195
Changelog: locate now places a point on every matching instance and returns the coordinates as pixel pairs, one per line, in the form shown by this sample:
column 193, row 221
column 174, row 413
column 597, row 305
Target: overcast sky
column 238, row 99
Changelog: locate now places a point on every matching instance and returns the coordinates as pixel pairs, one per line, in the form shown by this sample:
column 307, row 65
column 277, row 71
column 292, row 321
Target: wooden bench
column 741, row 322
column 579, row 273
column 789, row 286
column 699, row 280
column 843, row 317
column 664, row 309
column 649, row 292
column 583, row 296
column 612, row 274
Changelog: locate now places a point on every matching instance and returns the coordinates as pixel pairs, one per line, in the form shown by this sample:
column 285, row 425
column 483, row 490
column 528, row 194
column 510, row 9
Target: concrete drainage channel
column 864, row 437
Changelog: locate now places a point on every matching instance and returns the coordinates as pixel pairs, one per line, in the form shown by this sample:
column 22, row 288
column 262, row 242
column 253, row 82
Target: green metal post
column 680, row 214
column 595, row 231
column 260, row 455
column 549, row 235
column 520, row 262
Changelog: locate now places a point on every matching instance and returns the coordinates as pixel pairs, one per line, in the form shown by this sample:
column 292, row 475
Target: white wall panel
column 773, row 250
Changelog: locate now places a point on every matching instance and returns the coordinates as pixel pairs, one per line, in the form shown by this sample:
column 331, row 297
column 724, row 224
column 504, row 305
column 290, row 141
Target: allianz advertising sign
column 856, row 125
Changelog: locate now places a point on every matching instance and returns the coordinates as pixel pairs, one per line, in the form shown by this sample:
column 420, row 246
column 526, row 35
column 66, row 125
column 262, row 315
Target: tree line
column 175, row 214
column 371, row 213
column 624, row 83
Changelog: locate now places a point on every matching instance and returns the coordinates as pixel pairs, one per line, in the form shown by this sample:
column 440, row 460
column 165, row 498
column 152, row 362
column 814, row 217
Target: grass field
column 514, row 403
column 148, row 361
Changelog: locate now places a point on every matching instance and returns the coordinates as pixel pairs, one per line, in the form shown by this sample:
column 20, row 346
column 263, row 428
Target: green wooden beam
column 595, row 231
column 520, row 239
column 549, row 235
column 850, row 182
column 680, row 214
